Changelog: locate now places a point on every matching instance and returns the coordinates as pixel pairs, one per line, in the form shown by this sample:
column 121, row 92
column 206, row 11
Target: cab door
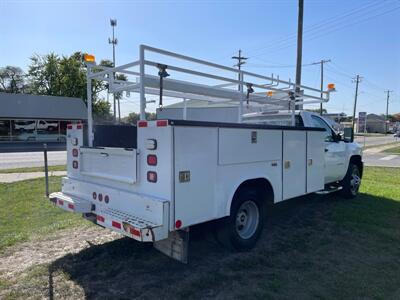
column 335, row 152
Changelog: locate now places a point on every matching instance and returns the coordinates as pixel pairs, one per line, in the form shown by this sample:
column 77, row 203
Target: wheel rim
column 355, row 181
column 247, row 219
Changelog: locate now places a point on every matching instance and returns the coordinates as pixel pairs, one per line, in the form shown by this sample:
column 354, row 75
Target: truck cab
column 339, row 150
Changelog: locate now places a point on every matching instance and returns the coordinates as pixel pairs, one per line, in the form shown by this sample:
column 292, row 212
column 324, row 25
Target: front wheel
column 243, row 227
column 351, row 182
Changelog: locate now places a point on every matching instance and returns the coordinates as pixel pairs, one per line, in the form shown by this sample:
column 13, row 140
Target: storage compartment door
column 315, row 161
column 196, row 151
column 294, row 163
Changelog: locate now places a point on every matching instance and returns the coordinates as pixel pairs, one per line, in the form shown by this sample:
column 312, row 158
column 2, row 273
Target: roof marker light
column 162, row 123
column 142, row 124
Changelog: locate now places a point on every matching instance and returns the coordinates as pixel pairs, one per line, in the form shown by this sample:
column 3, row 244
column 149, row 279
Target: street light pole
column 114, row 42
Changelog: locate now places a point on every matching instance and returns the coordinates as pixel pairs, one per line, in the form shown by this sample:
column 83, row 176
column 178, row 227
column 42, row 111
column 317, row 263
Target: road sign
column 362, row 122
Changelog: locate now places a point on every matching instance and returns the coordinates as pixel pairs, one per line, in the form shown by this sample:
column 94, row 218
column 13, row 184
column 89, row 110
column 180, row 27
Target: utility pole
column 241, row 61
column 299, row 48
column 322, row 78
column 357, row 80
column 387, row 110
column 114, row 42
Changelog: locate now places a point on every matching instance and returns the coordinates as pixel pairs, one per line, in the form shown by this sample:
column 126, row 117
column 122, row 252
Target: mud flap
column 175, row 246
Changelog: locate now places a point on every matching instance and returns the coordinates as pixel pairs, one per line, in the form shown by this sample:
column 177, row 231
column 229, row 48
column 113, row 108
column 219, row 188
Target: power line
column 319, row 25
column 321, row 33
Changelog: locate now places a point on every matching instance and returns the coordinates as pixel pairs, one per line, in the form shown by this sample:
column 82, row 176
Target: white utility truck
column 162, row 177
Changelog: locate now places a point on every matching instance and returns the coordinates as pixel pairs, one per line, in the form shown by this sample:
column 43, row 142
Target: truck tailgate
column 117, row 164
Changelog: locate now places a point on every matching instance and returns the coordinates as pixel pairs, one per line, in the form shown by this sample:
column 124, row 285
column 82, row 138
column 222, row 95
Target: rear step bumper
column 72, row 205
column 126, row 224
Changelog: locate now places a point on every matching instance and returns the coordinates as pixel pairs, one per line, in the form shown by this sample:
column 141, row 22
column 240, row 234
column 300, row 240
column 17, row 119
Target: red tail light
column 151, row 176
column 106, row 199
column 178, row 224
column 100, row 197
column 116, row 224
column 75, row 164
column 152, row 160
column 79, row 126
column 60, row 202
column 69, row 126
column 74, row 152
column 162, row 123
column 142, row 124
column 100, row 218
column 94, row 195
column 71, row 206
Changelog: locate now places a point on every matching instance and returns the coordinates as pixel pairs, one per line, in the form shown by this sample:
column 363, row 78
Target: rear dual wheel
column 241, row 230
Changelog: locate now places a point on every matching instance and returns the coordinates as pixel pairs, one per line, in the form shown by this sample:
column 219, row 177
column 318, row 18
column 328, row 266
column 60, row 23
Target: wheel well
column 262, row 185
column 356, row 159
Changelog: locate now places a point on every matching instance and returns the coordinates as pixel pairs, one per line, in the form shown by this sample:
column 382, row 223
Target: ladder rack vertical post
column 142, row 87
column 184, row 109
column 89, row 107
column 240, row 109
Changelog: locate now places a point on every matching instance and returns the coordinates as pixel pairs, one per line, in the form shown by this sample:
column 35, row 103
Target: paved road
column 31, row 159
column 30, row 146
column 381, row 159
column 376, row 140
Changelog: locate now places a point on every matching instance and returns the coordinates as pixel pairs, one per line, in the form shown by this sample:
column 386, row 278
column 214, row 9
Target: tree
column 66, row 76
column 12, row 80
column 133, row 117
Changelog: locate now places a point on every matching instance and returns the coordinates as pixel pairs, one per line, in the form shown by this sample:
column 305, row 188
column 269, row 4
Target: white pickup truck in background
column 174, row 174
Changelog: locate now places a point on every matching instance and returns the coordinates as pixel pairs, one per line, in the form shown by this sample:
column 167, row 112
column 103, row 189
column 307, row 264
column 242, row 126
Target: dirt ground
column 302, row 254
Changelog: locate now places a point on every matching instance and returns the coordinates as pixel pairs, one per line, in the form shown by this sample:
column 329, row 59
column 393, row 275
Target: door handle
column 326, row 150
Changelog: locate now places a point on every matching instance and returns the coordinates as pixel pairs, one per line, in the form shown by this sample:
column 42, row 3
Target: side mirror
column 348, row 135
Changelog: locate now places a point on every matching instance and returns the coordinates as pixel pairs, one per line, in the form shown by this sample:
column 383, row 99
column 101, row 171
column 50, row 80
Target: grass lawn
column 314, row 247
column 25, row 212
column 33, row 169
column 394, row 150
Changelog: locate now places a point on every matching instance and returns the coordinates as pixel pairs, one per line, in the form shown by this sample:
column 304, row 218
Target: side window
column 318, row 122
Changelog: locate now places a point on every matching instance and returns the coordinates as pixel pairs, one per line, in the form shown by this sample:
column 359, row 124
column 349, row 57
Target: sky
column 359, row 37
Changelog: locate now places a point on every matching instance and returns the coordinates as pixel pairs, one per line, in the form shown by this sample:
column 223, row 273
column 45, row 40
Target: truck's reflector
column 106, row 199
column 134, row 231
column 152, row 160
column 94, row 195
column 151, row 176
column 71, row 206
column 100, row 218
column 142, row 124
column 60, row 202
column 74, row 152
column 162, row 123
column 100, row 197
column 116, row 224
column 79, row 126
column 69, row 126
column 75, row 164
column 178, row 224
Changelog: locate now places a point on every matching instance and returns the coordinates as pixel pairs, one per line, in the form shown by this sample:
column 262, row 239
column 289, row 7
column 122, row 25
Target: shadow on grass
column 311, row 247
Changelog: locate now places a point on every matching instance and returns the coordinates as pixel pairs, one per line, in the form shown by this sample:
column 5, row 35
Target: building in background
column 33, row 118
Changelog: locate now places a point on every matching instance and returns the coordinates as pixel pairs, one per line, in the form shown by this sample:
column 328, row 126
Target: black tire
column 228, row 231
column 351, row 182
